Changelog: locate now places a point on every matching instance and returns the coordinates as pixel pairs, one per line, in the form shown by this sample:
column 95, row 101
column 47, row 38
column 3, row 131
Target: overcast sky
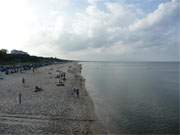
column 117, row 30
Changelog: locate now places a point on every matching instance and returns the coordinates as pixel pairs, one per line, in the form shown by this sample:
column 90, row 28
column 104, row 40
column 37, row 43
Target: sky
column 98, row 30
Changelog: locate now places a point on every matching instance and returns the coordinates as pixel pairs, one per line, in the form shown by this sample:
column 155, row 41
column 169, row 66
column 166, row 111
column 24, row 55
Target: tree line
column 6, row 58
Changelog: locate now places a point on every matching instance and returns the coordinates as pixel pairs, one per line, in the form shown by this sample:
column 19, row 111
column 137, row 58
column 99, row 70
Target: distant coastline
column 25, row 58
column 130, row 61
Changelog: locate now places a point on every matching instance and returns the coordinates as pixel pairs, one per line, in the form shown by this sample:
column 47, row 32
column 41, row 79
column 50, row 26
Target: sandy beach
column 53, row 109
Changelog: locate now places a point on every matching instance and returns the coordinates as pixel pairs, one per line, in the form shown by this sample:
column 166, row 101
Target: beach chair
column 1, row 78
column 6, row 72
column 60, row 83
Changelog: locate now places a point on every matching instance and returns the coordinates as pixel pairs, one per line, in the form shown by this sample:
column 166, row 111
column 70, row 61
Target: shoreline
column 55, row 110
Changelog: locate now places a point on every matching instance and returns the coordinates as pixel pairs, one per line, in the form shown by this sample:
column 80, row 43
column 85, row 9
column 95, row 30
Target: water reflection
column 135, row 97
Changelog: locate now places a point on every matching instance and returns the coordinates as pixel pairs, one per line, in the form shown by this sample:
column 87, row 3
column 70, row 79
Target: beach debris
column 19, row 98
column 38, row 89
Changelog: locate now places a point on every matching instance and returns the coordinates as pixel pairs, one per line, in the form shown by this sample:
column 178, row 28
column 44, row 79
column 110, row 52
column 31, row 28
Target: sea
column 135, row 97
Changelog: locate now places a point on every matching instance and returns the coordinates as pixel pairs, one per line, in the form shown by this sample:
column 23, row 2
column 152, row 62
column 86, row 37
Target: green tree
column 3, row 52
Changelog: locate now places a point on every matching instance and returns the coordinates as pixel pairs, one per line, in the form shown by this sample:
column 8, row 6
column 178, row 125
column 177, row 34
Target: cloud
column 159, row 28
column 96, row 28
column 115, row 32
column 94, row 1
column 165, row 13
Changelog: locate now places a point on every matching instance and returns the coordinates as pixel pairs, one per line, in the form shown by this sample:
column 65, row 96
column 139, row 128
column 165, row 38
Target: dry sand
column 54, row 110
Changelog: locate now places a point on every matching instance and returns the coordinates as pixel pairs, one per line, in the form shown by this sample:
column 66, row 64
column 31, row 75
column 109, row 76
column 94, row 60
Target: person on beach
column 20, row 98
column 33, row 69
column 21, row 70
column 74, row 91
column 23, row 80
column 77, row 92
column 63, row 76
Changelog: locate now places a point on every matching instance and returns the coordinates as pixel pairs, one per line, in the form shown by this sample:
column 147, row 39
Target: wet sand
column 54, row 109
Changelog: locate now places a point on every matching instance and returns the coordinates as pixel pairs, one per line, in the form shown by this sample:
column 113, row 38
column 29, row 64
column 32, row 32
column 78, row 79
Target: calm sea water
column 135, row 97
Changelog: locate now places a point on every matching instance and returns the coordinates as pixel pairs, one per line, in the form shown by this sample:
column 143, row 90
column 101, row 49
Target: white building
column 19, row 52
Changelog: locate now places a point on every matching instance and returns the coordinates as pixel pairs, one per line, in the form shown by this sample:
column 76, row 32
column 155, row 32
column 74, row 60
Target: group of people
column 62, row 77
column 75, row 92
